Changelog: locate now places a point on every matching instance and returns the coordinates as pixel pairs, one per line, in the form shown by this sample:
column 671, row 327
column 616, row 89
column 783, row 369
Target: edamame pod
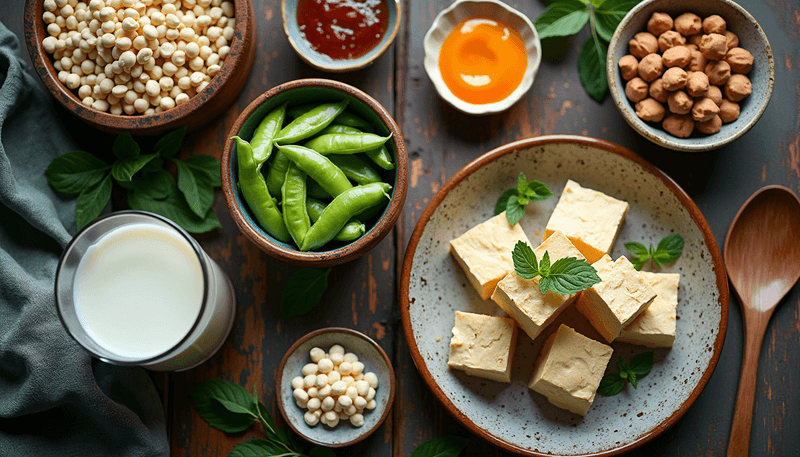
column 318, row 167
column 382, row 157
column 339, row 128
column 346, row 143
column 295, row 215
column 346, row 205
column 265, row 132
column 353, row 230
column 351, row 120
column 298, row 110
column 355, row 169
column 310, row 122
column 315, row 190
column 255, row 192
column 277, row 173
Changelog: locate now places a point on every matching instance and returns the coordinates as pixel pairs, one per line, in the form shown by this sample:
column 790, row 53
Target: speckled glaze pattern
column 449, row 18
column 433, row 287
column 369, row 353
column 751, row 37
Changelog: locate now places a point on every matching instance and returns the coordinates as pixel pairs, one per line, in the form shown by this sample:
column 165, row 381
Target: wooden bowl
column 308, row 91
column 221, row 91
column 751, row 37
column 325, row 63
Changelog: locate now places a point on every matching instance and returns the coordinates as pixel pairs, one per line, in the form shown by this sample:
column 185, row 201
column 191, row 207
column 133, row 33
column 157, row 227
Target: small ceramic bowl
column 369, row 353
column 311, row 91
column 751, row 38
column 449, row 18
column 322, row 62
column 222, row 90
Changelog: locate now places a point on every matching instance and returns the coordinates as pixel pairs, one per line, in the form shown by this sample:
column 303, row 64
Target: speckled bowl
column 369, row 353
column 751, row 37
column 449, row 18
column 322, row 62
column 433, row 287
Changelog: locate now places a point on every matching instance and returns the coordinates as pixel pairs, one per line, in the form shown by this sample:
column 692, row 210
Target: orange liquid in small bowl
column 483, row 60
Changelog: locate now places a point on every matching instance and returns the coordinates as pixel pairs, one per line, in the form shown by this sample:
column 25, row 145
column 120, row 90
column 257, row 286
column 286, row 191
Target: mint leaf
column 125, row 147
column 155, row 185
column 235, row 407
column 500, row 206
column 303, row 291
column 514, row 211
column 522, row 200
column 92, row 201
column 206, row 398
column 74, row 172
column 205, row 164
column 609, row 14
column 258, row 448
column 445, row 446
column 544, row 265
column 611, row 384
column 641, row 364
column 641, row 253
column 525, row 263
column 592, row 68
column 124, row 169
column 537, row 191
column 196, row 188
column 568, row 276
column 562, row 18
column 621, row 365
column 522, row 184
column 632, row 378
column 669, row 249
column 170, row 144
column 174, row 207
column 513, row 201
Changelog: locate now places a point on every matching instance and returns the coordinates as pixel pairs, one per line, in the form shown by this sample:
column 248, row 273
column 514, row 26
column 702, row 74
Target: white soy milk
column 138, row 290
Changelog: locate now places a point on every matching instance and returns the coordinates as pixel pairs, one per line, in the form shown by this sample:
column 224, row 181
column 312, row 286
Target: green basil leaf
column 124, row 169
column 170, row 144
column 611, row 384
column 641, row 364
column 92, row 201
column 514, row 211
column 154, row 165
column 205, row 164
column 522, row 184
column 525, row 263
column 125, row 147
column 75, row 171
column 154, row 185
column 174, row 207
column 303, row 291
column 196, row 188
column 500, row 206
column 258, row 448
column 444, row 446
column 669, row 249
column 569, row 276
column 562, row 18
column 321, row 452
column 609, row 14
column 632, row 378
column 592, row 68
column 538, row 191
column 235, row 407
column 207, row 397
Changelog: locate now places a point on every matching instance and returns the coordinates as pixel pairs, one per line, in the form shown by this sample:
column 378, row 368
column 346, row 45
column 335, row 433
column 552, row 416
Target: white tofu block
column 483, row 346
column 655, row 327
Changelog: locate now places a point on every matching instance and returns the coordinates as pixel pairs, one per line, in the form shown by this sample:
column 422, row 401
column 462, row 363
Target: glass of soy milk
column 133, row 288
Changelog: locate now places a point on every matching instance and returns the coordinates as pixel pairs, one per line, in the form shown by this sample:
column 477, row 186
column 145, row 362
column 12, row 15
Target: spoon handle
column 739, row 441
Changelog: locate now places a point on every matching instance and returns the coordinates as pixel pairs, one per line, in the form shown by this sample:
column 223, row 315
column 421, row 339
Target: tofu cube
column 655, row 327
column 590, row 219
column 484, row 252
column 620, row 296
column 483, row 346
column 569, row 369
column 521, row 298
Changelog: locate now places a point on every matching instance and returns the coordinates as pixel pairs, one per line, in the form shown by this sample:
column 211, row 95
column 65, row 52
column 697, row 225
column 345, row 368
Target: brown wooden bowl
column 307, row 91
column 221, row 91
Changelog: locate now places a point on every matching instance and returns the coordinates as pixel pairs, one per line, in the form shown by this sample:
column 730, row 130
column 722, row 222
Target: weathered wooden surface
column 440, row 141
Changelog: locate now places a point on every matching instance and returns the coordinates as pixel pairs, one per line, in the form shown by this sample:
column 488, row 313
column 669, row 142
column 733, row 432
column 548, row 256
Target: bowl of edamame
column 314, row 172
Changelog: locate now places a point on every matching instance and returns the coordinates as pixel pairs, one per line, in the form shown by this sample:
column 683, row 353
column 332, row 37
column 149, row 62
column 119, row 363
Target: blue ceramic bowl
column 751, row 37
column 325, row 63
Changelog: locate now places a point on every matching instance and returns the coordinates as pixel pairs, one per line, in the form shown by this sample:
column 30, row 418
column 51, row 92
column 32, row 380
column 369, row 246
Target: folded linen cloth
column 54, row 398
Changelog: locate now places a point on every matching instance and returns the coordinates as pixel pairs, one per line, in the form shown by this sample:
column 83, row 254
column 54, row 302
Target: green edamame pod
column 255, row 192
column 265, row 132
column 346, row 205
column 310, row 122
column 315, row 208
column 351, row 231
column 298, row 110
column 318, row 167
column 346, row 143
column 355, row 169
column 339, row 128
column 382, row 157
column 351, row 120
column 277, row 173
column 295, row 215
column 370, row 213
column 315, row 190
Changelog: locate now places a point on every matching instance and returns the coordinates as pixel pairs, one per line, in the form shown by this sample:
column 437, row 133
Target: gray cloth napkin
column 55, row 400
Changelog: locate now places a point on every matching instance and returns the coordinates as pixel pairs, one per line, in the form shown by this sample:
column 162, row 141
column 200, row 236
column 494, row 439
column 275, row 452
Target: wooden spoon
column 762, row 256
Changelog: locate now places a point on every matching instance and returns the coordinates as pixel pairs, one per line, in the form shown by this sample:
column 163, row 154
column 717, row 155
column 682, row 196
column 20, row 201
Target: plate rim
column 509, row 148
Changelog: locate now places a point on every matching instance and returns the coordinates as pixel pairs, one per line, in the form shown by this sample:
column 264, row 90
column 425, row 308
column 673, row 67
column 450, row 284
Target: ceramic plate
column 433, row 287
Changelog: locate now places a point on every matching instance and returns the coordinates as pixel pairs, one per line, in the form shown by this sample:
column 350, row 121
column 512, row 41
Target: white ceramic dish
column 451, row 16
column 433, row 287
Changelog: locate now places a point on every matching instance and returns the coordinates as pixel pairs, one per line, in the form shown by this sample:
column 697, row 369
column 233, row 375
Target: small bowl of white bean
column 335, row 387
column 148, row 67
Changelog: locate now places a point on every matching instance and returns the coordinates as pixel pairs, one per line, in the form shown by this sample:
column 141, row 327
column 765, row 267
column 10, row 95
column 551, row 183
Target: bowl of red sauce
column 482, row 55
column 340, row 35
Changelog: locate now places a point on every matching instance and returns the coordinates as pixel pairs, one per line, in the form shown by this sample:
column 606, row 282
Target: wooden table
column 363, row 293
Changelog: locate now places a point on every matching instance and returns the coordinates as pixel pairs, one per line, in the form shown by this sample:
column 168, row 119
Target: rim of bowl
column 352, row 250
column 683, row 197
column 43, row 65
column 293, row 349
column 639, row 125
column 373, row 54
column 471, row 108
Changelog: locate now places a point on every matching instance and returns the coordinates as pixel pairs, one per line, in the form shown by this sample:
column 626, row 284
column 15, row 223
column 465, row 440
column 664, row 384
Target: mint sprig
column 667, row 251
column 564, row 277
column 614, row 383
column 513, row 201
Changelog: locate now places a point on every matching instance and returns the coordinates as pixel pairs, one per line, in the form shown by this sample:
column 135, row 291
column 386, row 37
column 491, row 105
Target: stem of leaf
column 267, row 427
column 594, row 32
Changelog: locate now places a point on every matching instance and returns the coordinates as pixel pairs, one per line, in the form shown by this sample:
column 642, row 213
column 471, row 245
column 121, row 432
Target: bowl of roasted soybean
column 678, row 24
column 315, row 172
